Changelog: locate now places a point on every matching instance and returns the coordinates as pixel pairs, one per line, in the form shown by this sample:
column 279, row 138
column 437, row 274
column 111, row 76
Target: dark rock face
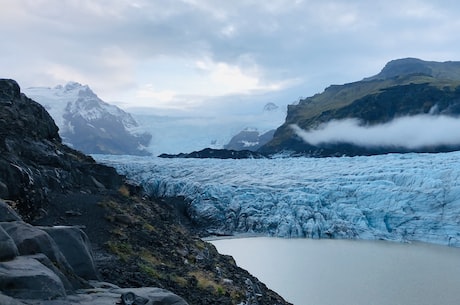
column 8, row 249
column 32, row 240
column 7, row 213
column 32, row 265
column 210, row 153
column 74, row 245
column 33, row 160
column 22, row 116
column 27, row 278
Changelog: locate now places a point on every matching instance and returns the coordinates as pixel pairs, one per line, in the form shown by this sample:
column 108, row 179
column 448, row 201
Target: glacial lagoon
column 350, row 272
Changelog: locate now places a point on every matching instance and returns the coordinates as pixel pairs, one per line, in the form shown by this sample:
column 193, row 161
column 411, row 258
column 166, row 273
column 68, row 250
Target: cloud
column 410, row 132
column 118, row 46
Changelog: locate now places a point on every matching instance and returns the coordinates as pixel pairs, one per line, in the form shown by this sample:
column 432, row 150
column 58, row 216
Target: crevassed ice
column 397, row 197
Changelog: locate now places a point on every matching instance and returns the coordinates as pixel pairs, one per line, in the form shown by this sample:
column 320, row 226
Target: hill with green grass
column 404, row 87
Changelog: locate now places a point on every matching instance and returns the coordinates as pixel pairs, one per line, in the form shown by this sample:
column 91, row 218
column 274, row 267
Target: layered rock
column 33, row 159
column 75, row 246
column 31, row 265
column 51, row 263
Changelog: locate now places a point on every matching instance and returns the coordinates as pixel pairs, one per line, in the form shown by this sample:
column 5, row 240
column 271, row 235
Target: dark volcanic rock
column 33, row 160
column 210, row 153
column 8, row 249
column 7, row 213
column 74, row 244
column 32, row 240
column 25, row 277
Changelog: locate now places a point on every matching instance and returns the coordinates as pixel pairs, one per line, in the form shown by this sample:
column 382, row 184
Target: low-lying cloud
column 409, row 132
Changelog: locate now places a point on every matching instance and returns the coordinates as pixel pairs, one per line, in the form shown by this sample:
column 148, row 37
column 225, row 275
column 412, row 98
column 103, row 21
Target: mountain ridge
column 404, row 87
column 89, row 124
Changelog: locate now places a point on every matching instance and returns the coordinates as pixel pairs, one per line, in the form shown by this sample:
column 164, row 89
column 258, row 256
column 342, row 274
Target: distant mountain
column 249, row 139
column 89, row 124
column 363, row 117
column 270, row 107
column 177, row 133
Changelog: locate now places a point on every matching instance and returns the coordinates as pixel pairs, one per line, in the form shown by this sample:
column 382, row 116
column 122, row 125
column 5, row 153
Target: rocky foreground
column 73, row 232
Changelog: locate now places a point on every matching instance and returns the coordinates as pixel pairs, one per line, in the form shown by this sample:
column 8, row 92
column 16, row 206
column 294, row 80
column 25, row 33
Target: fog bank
column 409, row 132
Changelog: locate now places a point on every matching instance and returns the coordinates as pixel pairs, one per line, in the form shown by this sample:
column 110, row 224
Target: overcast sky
column 183, row 54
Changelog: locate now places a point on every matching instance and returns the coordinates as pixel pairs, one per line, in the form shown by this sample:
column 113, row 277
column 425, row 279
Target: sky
column 225, row 56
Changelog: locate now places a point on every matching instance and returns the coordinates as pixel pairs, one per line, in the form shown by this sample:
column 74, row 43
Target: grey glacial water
column 345, row 272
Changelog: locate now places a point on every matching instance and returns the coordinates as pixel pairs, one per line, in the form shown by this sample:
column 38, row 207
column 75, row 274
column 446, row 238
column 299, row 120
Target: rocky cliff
column 33, row 160
column 73, row 232
column 404, row 88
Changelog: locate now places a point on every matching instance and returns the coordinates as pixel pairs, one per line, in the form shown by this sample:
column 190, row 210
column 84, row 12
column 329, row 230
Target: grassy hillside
column 407, row 86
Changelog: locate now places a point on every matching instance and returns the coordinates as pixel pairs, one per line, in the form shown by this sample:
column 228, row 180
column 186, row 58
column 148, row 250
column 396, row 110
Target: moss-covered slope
column 404, row 87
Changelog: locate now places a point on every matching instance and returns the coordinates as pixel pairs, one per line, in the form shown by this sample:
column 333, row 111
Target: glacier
column 400, row 197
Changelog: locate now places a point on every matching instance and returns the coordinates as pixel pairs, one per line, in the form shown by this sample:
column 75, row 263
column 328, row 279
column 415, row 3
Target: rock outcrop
column 33, row 160
column 51, row 193
column 51, row 263
column 31, row 264
column 75, row 246
column 210, row 153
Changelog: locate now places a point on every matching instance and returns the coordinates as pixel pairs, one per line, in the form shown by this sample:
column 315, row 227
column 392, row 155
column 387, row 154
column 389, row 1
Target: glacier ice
column 404, row 197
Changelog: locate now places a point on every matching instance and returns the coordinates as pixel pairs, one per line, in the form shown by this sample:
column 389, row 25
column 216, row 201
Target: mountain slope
column 89, row 124
column 137, row 241
column 404, row 88
column 249, row 139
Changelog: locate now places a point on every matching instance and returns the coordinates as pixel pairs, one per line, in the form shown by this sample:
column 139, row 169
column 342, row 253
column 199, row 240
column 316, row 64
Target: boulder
column 26, row 278
column 6, row 300
column 75, row 245
column 7, row 213
column 160, row 296
column 32, row 240
column 70, row 284
column 110, row 296
column 8, row 249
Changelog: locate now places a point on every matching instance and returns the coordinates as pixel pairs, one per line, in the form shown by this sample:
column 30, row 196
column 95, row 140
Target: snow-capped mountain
column 88, row 123
column 174, row 134
column 249, row 139
column 404, row 197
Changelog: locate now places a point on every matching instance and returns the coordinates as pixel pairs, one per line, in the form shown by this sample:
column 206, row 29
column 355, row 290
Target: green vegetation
column 121, row 249
column 404, row 87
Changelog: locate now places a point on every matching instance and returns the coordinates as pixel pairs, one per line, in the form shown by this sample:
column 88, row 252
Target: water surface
column 344, row 272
